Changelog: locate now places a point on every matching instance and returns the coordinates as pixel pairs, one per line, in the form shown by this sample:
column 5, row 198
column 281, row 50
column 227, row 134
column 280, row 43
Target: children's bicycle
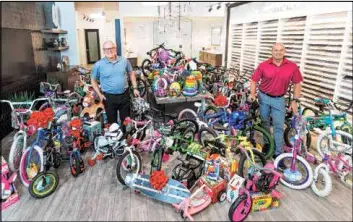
column 259, row 179
column 297, row 172
column 46, row 181
column 340, row 164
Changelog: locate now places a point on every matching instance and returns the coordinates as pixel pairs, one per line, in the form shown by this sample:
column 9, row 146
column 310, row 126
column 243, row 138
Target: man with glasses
column 111, row 71
column 275, row 76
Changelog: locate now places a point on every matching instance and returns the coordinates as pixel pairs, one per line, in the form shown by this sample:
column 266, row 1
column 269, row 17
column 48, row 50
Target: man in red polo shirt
column 275, row 75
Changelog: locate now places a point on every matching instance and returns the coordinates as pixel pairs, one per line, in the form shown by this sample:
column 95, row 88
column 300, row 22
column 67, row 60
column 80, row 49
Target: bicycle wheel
column 125, row 166
column 187, row 138
column 75, row 164
column 185, row 124
column 245, row 164
column 187, row 114
column 146, row 67
column 289, row 133
column 309, row 112
column 240, row 208
column 346, row 176
column 44, row 184
column 156, row 162
column 209, row 111
column 322, row 183
column 342, row 142
column 261, row 139
column 206, row 134
column 31, row 164
column 16, row 151
column 298, row 179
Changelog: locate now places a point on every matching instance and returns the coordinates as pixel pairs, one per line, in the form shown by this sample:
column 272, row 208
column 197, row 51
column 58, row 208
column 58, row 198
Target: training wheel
column 91, row 162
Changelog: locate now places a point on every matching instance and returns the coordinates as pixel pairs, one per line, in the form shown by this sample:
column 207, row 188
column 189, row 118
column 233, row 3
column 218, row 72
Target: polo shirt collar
column 118, row 58
column 270, row 61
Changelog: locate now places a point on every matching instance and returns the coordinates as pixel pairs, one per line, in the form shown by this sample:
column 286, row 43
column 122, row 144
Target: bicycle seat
column 197, row 104
column 219, row 127
column 67, row 91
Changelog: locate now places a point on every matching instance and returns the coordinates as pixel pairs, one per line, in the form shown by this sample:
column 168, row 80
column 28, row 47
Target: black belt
column 271, row 95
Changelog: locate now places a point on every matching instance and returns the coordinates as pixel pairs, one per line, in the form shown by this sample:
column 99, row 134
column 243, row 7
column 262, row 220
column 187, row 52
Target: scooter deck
column 174, row 192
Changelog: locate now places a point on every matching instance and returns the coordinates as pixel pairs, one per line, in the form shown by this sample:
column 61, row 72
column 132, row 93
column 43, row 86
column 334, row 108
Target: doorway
column 92, row 45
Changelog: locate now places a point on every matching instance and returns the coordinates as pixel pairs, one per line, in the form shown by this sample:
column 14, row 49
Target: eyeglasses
column 109, row 49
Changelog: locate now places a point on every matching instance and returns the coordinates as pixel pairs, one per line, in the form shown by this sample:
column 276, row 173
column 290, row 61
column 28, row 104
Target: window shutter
column 237, row 31
column 249, row 48
column 322, row 55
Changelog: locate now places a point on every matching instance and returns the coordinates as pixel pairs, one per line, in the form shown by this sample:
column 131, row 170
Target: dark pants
column 113, row 103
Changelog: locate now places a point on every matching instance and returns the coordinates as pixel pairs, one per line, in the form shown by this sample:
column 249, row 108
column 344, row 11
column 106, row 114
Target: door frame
column 86, row 44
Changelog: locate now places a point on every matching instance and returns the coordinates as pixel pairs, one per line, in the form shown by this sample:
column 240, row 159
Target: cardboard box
column 233, row 187
column 92, row 128
column 262, row 201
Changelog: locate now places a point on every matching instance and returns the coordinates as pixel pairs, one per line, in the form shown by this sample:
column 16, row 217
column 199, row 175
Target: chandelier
column 170, row 15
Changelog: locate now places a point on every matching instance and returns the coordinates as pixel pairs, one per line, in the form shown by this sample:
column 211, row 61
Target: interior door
column 92, row 45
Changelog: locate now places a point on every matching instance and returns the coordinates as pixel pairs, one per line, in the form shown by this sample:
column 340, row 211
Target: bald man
column 275, row 75
column 112, row 71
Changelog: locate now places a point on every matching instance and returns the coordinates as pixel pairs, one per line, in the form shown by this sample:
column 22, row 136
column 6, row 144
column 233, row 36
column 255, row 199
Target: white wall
column 68, row 23
column 106, row 32
column 201, row 33
column 139, row 36
column 261, row 11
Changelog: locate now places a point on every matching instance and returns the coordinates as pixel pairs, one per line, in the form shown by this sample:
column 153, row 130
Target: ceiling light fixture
column 210, row 9
column 219, row 6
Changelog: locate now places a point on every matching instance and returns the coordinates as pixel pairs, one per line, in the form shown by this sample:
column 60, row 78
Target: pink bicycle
column 259, row 179
column 340, row 164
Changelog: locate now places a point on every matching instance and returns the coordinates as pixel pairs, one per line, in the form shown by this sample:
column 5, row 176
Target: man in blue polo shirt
column 111, row 71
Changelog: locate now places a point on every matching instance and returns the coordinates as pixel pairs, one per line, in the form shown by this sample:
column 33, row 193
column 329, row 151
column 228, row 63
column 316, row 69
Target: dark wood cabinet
column 66, row 78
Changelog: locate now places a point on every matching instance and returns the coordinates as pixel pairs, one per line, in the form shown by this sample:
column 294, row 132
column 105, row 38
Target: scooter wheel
column 182, row 214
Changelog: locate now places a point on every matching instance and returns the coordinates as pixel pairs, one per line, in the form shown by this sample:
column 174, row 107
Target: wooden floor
column 97, row 195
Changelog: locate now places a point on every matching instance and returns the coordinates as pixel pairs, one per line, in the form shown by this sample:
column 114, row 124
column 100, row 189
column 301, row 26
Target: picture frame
column 216, row 35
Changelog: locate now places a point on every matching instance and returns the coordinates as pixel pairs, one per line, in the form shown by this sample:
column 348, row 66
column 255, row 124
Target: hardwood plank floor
column 96, row 195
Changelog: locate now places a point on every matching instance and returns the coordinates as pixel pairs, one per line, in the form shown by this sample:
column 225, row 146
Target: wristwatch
column 296, row 100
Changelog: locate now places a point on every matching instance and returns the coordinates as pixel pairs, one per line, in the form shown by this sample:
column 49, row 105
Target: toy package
column 9, row 194
column 233, row 187
column 262, row 201
column 92, row 129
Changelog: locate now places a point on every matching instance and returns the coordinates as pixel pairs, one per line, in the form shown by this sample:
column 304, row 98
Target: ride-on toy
column 9, row 194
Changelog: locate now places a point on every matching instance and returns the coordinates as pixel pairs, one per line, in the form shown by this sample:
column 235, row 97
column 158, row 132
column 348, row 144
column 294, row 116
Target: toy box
column 92, row 128
column 233, row 187
column 217, row 187
column 262, row 201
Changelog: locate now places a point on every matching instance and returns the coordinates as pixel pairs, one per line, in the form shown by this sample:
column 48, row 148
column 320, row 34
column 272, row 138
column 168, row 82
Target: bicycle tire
column 209, row 111
column 120, row 162
column 237, row 203
column 347, row 137
column 326, row 179
column 184, row 112
column 266, row 137
column 287, row 135
column 75, row 164
column 207, row 130
column 182, row 145
column 257, row 156
column 34, row 183
column 191, row 124
column 305, row 163
column 16, row 151
column 23, row 174
column 146, row 64
column 306, row 110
